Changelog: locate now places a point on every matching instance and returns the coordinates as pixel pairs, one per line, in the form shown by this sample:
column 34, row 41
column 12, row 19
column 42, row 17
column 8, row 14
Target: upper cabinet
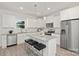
column 70, row 13
column 8, row 21
column 35, row 23
column 0, row 21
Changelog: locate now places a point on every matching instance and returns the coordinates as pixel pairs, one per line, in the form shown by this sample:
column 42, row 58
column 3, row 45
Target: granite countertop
column 37, row 35
column 15, row 33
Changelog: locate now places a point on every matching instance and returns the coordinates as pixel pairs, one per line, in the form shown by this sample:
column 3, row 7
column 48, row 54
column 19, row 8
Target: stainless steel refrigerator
column 69, row 38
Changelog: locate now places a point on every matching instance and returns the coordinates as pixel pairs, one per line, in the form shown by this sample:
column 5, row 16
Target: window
column 20, row 24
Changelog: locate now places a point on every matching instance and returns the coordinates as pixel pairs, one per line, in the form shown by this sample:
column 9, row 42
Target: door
column 75, row 36
column 68, row 35
column 11, row 40
column 63, row 35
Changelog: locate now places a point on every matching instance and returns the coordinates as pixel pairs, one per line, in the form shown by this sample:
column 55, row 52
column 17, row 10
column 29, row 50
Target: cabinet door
column 11, row 40
column 3, row 41
column 0, row 40
column 0, row 29
column 8, row 21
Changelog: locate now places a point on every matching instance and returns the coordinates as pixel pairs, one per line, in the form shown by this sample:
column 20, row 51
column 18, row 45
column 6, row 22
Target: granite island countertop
column 40, row 36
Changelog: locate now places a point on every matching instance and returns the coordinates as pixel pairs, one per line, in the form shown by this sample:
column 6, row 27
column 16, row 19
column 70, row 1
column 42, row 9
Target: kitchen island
column 49, row 41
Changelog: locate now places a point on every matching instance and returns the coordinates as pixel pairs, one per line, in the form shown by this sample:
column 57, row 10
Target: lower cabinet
column 13, row 39
column 3, row 41
column 0, row 40
column 8, row 40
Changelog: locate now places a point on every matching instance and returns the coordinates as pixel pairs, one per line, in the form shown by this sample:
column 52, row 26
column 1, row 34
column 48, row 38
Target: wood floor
column 20, row 50
column 64, row 52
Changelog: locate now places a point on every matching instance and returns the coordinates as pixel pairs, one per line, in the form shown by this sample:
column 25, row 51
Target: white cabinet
column 70, row 13
column 0, row 29
column 3, row 41
column 0, row 41
column 8, row 21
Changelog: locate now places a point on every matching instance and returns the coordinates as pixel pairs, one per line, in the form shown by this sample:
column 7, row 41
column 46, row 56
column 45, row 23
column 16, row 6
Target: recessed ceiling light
column 48, row 8
column 21, row 8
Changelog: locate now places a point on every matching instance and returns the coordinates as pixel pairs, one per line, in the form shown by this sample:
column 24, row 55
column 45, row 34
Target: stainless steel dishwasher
column 11, row 40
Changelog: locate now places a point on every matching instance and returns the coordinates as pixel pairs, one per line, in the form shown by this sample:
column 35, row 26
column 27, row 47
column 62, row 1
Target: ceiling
column 38, row 9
